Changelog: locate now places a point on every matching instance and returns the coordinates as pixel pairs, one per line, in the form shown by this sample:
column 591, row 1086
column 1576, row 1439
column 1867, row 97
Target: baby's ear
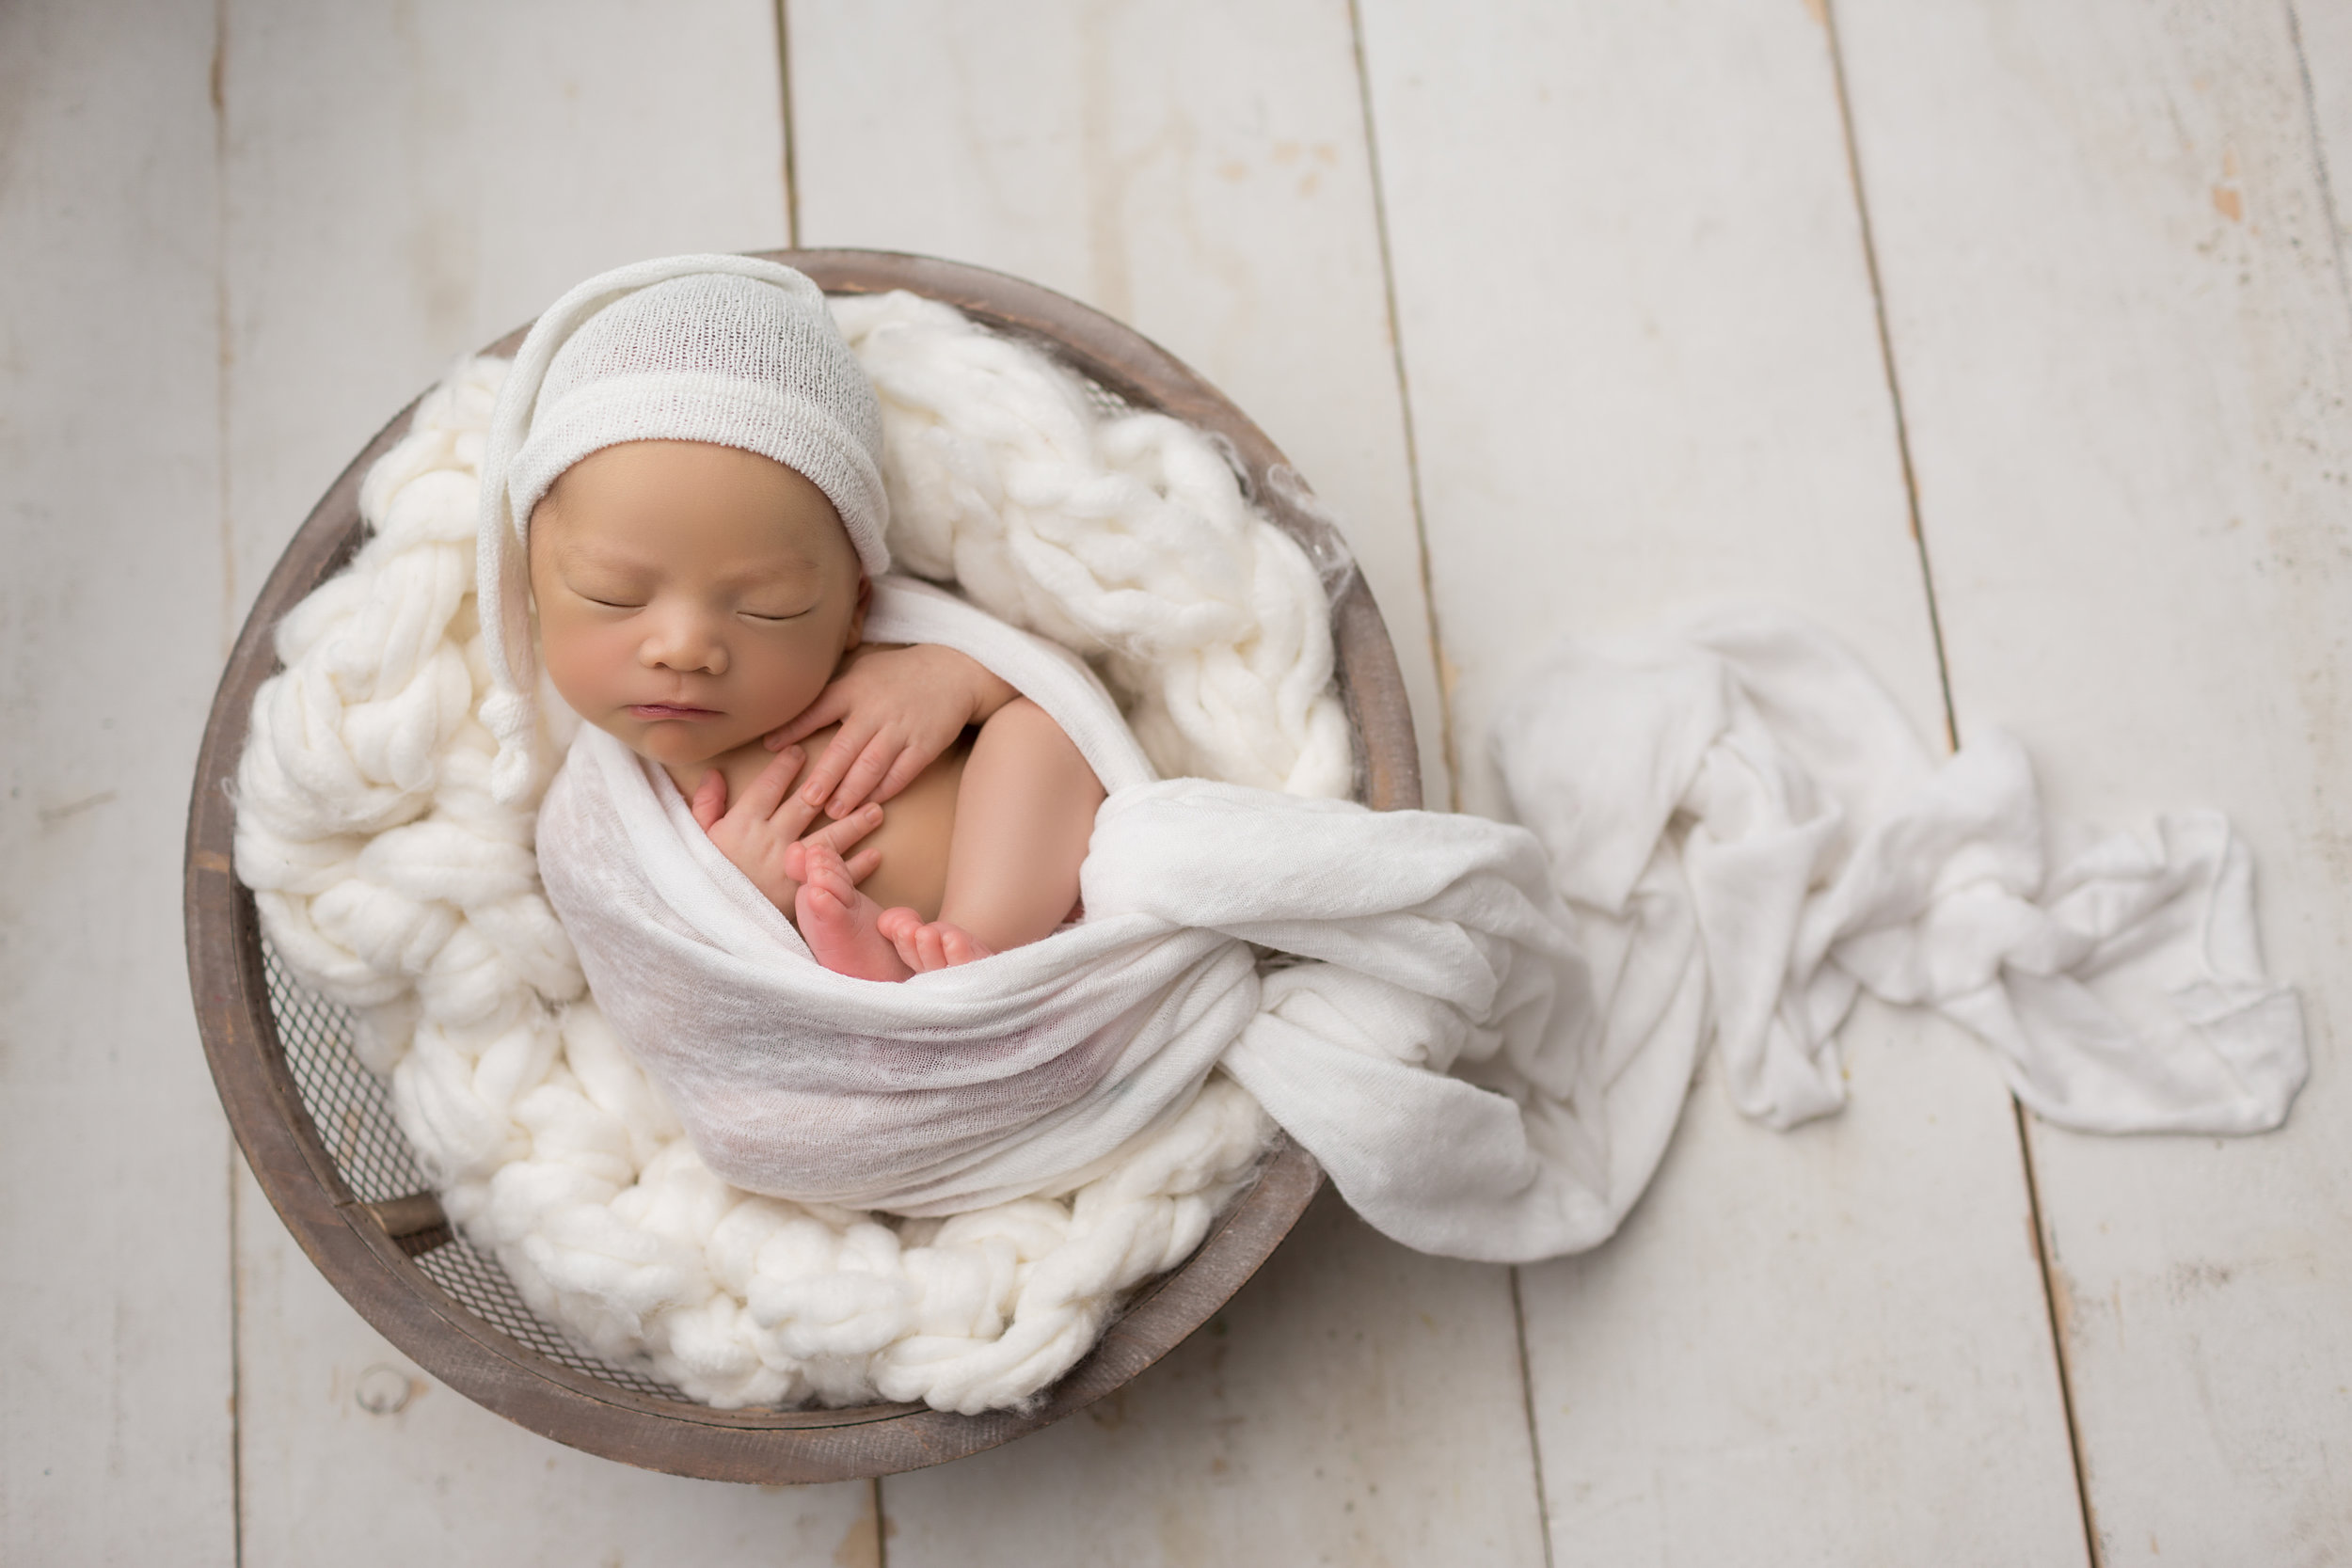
column 856, row 633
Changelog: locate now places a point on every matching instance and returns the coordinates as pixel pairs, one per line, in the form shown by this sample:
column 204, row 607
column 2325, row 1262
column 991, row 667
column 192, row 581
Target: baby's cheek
column 787, row 680
column 584, row 665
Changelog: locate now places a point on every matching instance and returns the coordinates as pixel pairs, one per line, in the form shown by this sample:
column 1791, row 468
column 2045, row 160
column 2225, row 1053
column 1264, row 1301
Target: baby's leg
column 1024, row 814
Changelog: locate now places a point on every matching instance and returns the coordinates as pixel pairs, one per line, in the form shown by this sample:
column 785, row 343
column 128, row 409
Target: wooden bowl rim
column 349, row 1244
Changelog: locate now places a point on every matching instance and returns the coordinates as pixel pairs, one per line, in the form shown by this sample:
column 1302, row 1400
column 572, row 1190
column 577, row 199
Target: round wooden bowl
column 318, row 1132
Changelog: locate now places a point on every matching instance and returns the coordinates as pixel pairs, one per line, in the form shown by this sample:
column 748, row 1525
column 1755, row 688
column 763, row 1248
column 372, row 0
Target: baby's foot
column 925, row 947
column 837, row 920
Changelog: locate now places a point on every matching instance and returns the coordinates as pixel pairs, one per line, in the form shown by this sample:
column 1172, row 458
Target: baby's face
column 692, row 597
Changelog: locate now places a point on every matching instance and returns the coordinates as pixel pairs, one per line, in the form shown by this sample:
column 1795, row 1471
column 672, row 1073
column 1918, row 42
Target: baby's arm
column 898, row 708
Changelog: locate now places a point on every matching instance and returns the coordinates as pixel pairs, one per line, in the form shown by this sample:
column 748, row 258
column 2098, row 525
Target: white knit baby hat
column 726, row 349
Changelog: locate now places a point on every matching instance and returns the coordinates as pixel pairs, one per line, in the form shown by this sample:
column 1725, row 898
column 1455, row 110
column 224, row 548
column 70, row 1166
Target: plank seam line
column 1886, row 364
column 236, row 1371
column 2319, row 149
column 226, row 533
column 2057, row 1342
column 882, row 1520
column 1951, row 725
column 223, row 343
column 1448, row 745
column 1526, row 1406
column 791, row 134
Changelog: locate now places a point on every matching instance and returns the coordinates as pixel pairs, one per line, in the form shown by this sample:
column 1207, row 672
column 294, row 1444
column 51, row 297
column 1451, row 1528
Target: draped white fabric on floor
column 1740, row 812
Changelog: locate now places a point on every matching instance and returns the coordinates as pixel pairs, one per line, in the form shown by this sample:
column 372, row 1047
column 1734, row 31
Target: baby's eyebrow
column 785, row 570
column 569, row 550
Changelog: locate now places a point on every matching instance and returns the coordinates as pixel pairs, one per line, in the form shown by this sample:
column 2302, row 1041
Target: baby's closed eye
column 610, row 591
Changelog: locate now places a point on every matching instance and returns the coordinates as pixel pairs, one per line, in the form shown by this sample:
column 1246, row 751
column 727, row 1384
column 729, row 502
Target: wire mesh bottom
column 353, row 1112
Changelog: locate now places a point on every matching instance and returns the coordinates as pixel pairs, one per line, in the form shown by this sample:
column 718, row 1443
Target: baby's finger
column 848, row 742
column 763, row 794
column 850, row 829
column 904, row 773
column 864, row 864
column 873, row 764
column 710, row 798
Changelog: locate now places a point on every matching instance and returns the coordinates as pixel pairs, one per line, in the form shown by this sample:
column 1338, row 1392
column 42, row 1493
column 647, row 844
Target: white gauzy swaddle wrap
column 973, row 1085
column 1432, row 938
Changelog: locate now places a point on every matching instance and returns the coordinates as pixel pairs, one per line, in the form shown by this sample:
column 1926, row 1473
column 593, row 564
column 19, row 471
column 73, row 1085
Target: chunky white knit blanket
column 1746, row 831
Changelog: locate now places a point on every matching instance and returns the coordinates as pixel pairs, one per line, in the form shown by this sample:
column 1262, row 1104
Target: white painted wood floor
column 2010, row 340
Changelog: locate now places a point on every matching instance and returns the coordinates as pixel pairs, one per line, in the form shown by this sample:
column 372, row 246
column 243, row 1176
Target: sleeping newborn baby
column 700, row 512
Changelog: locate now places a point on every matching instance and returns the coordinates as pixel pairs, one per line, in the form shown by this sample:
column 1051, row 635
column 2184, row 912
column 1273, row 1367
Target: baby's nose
column 684, row 642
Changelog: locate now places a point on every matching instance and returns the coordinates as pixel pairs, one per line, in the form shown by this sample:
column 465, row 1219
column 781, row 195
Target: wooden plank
column 1201, row 171
column 406, row 184
column 1355, row 1403
column 114, row 1369
column 403, row 185
column 1639, row 336
column 2123, row 337
column 353, row 1455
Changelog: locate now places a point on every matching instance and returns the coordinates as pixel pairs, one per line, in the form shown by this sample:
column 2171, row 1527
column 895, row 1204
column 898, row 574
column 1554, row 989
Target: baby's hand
column 764, row 822
column 898, row 708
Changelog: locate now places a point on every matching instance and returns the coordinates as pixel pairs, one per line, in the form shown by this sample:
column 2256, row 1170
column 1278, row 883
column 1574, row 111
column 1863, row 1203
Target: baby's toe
column 825, row 870
column 816, row 901
column 897, row 928
column 960, row 946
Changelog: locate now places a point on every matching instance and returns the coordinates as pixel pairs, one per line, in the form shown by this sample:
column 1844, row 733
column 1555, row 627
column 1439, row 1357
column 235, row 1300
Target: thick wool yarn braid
column 389, row 880
column 1125, row 537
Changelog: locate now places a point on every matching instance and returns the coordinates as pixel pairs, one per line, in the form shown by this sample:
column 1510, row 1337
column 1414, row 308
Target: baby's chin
column 681, row 744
